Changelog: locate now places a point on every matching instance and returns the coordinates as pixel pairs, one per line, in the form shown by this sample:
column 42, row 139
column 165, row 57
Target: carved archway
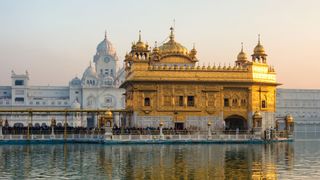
column 235, row 122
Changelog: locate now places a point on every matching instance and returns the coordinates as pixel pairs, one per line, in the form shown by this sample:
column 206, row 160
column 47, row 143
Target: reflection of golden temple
column 165, row 83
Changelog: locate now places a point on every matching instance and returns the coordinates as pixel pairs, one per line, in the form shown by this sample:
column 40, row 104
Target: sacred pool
column 282, row 160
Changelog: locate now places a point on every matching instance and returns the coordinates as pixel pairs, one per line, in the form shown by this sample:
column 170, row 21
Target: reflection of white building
column 98, row 88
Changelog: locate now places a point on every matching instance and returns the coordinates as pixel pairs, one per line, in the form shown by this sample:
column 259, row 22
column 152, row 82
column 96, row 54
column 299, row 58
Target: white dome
column 75, row 81
column 75, row 105
column 105, row 47
column 90, row 71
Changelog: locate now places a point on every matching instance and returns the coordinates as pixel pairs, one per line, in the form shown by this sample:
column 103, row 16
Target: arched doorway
column 235, row 122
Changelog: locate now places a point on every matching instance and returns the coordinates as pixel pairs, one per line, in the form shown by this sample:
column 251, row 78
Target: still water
column 296, row 160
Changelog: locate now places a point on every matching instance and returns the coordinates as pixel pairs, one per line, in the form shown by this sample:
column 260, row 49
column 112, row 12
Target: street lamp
column 209, row 129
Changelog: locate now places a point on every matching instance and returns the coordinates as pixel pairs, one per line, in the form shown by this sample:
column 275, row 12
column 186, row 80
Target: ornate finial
column 171, row 34
column 241, row 46
column 258, row 38
column 194, row 45
column 155, row 44
column 139, row 35
column 105, row 34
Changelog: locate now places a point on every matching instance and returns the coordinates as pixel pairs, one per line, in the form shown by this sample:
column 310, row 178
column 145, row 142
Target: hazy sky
column 55, row 39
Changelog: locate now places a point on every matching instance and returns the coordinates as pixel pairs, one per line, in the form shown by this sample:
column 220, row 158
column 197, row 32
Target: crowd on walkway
column 115, row 130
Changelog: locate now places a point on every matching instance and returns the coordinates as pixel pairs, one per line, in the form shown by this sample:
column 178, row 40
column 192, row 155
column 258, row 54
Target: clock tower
column 105, row 59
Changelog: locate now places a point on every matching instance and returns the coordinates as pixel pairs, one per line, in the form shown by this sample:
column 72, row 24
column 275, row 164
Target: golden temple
column 166, row 85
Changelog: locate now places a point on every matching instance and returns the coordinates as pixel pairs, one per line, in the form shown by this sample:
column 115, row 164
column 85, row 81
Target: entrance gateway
column 179, row 126
column 235, row 122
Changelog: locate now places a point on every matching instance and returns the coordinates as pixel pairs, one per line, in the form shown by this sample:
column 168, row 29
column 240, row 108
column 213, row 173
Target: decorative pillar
column 257, row 122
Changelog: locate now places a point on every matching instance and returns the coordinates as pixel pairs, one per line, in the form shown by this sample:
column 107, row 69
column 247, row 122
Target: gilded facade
column 165, row 84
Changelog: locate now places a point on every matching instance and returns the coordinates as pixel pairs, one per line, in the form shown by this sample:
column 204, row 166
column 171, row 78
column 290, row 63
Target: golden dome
column 242, row 56
column 259, row 49
column 257, row 115
column 172, row 47
column 289, row 118
column 139, row 45
column 108, row 114
column 155, row 49
column 193, row 51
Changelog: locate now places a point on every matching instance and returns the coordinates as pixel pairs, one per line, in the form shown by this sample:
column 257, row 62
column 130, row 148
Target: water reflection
column 90, row 161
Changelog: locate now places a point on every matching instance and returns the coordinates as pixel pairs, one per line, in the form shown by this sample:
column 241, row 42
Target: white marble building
column 304, row 106
column 97, row 88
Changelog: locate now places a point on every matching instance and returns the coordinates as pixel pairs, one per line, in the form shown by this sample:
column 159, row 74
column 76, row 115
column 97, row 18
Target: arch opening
column 235, row 122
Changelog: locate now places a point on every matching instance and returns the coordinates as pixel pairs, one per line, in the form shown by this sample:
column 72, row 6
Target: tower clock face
column 107, row 59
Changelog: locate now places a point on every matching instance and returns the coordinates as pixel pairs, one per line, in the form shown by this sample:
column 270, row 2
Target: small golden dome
column 139, row 45
column 242, row 56
column 289, row 118
column 133, row 45
column 172, row 47
column 193, row 51
column 257, row 115
column 259, row 49
column 108, row 114
column 155, row 49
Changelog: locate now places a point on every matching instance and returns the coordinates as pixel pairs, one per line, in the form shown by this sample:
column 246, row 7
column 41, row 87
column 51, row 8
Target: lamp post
column 53, row 124
column 161, row 133
column 209, row 129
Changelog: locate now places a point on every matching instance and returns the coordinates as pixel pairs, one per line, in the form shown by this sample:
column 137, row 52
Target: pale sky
column 55, row 39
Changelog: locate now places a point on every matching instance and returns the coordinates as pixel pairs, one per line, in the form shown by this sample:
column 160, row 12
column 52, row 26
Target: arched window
column 147, row 101
column 263, row 104
column 243, row 102
column 234, row 102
